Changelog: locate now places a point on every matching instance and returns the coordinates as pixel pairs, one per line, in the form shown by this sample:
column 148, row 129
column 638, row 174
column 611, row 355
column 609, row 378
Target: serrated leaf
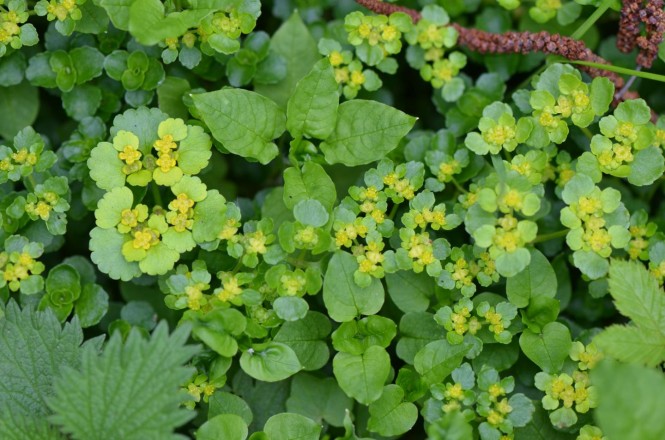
column 129, row 391
column 34, row 347
column 245, row 122
column 636, row 295
column 627, row 396
column 312, row 109
column 366, row 131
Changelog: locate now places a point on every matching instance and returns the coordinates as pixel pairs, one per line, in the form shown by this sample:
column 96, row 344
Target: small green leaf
column 271, row 362
column 311, row 212
column 549, row 349
column 438, row 359
column 310, row 182
column 307, row 338
column 290, row 308
column 288, row 426
column 245, row 122
column 226, row 426
column 318, row 399
column 390, row 415
column 365, row 132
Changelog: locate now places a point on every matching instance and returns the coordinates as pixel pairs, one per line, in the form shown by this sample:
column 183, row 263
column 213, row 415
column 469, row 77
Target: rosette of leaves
column 625, row 146
column 598, row 223
column 65, row 12
column 498, row 130
column 186, row 288
column 376, row 37
column 25, row 157
column 255, row 62
column 220, row 32
column 135, row 70
column 559, row 95
column 428, row 42
column 350, row 73
column 129, row 158
column 19, row 268
column 310, row 231
column 70, row 286
column 65, row 69
column 48, row 202
column 14, row 31
column 152, row 243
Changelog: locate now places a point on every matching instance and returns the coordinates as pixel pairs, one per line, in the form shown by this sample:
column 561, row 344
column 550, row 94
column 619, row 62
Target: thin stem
column 586, row 132
column 459, row 187
column 32, row 183
column 157, row 196
column 627, row 86
column 550, row 236
column 593, row 18
column 393, row 211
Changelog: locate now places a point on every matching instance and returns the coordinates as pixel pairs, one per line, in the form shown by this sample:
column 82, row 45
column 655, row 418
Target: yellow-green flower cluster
column 200, row 388
column 19, row 267
column 494, row 320
column 374, row 33
column 349, row 72
column 568, row 395
column 187, row 289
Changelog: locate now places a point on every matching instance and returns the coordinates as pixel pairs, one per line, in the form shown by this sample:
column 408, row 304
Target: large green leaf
column 309, row 182
column 438, row 359
column 307, row 338
column 19, row 106
column 549, row 349
column 245, row 122
column 288, row 426
column 343, row 298
column 312, row 109
column 537, row 279
column 366, row 131
column 390, row 415
column 362, row 376
column 295, row 44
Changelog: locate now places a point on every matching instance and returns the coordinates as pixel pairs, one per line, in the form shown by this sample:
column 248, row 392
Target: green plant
column 359, row 219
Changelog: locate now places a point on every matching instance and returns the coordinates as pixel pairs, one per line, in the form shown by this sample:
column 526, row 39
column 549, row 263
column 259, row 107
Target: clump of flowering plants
column 331, row 220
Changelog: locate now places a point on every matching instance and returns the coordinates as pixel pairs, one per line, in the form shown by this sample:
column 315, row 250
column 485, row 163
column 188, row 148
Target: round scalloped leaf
column 647, row 166
column 110, row 207
column 143, row 122
column 192, row 187
column 159, row 260
column 194, row 151
column 179, row 241
column 106, row 247
column 106, row 167
column 169, row 178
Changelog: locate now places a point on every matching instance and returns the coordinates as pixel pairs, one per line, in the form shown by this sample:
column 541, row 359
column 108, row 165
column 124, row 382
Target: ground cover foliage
column 317, row 219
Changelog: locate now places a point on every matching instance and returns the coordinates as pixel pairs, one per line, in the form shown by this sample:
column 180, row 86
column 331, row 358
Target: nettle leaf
column 361, row 376
column 537, row 279
column 390, row 415
column 343, row 298
column 129, row 391
column 288, row 426
column 34, row 348
column 627, row 396
column 270, row 362
column 318, row 399
column 366, row 131
column 312, row 109
column 549, row 349
column 295, row 44
column 307, row 338
column 636, row 295
column 245, row 122
column 309, row 182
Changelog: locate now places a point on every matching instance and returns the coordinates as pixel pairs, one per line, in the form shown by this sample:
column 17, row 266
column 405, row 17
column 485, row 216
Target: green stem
column 586, row 132
column 393, row 211
column 593, row 18
column 157, row 196
column 31, row 183
column 459, row 187
column 550, row 236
